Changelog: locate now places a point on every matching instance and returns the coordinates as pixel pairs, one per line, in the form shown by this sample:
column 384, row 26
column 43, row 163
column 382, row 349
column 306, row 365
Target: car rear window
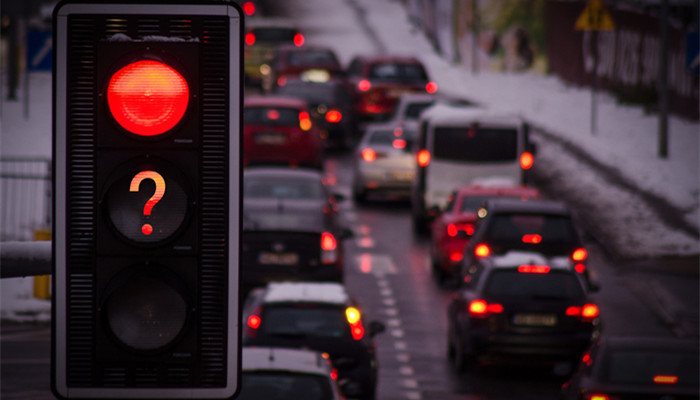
column 312, row 58
column 274, row 35
column 283, row 187
column 480, row 145
column 278, row 116
column 311, row 92
column 555, row 285
column 626, row 366
column 398, row 72
column 283, row 386
column 522, row 231
column 305, row 320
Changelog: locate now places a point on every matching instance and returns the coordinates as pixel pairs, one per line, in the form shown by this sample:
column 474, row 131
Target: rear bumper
column 555, row 347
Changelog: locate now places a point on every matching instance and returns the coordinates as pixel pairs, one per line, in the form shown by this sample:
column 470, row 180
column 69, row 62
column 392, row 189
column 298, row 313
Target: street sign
column 692, row 52
column 147, row 161
column 595, row 17
column 39, row 50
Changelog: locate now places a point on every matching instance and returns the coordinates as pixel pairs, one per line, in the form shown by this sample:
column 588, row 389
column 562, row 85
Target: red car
column 452, row 228
column 280, row 131
column 308, row 63
column 379, row 81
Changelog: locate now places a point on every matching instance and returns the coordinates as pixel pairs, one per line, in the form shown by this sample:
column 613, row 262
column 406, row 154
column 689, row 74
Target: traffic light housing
column 147, row 166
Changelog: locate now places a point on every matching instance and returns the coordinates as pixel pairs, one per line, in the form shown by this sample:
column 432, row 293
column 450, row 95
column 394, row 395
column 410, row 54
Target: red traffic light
column 147, row 97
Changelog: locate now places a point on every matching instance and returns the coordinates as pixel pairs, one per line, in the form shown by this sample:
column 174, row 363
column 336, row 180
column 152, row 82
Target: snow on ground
column 626, row 137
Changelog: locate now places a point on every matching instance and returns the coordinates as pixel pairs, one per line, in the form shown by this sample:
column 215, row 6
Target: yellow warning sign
column 595, row 17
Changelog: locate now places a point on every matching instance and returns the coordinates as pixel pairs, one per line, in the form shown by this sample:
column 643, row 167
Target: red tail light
column 334, row 374
column 253, row 323
column 281, row 81
column 533, row 239
column 534, row 269
column 454, row 229
column 399, row 144
column 526, row 160
column 480, row 308
column 249, row 8
column 431, row 87
column 329, row 245
column 482, row 250
column 579, row 255
column 298, row 40
column 369, row 155
column 364, row 85
column 249, row 38
column 423, row 158
column 580, row 268
column 355, row 320
column 666, row 379
column 328, row 241
column 304, row 121
column 456, row 256
column 147, row 97
column 586, row 313
column 598, row 396
column 334, row 116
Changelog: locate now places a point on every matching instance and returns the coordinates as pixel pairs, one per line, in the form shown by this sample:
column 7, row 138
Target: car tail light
column 399, row 144
column 329, row 247
column 480, row 308
column 666, row 379
column 423, row 158
column 147, row 97
column 369, row 155
column 431, row 87
column 249, row 8
column 453, row 230
column 456, row 256
column 534, row 269
column 526, row 160
column 364, row 85
column 253, row 323
column 304, row 121
column 281, row 81
column 298, row 40
column 586, row 313
column 354, row 318
column 579, row 254
column 250, row 38
column 580, row 268
column 334, row 116
column 533, row 239
column 482, row 250
column 598, row 396
column 334, row 374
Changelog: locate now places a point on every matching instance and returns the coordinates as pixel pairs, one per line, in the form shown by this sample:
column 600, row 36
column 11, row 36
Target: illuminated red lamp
column 526, row 160
column 481, row 308
column 431, row 87
column 249, row 8
column 369, row 155
column 328, row 241
column 456, row 256
column 534, row 269
column 254, row 321
column 364, row 85
column 482, row 250
column 599, row 397
column 579, row 254
column 298, row 40
column 423, row 158
column 304, row 121
column 147, row 97
column 666, row 379
column 334, row 116
column 580, row 268
column 250, row 38
column 533, row 239
column 399, row 144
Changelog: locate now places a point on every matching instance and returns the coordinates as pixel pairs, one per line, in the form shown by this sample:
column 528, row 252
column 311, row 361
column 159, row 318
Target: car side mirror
column 376, row 327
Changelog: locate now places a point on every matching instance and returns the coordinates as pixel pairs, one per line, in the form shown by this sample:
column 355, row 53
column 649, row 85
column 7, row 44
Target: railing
column 25, row 197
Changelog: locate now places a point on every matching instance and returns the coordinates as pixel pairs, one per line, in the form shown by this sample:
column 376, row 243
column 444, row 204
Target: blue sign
column 692, row 52
column 39, row 51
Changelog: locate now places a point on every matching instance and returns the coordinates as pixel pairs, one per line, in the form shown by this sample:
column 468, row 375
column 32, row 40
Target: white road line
column 397, row 333
column 400, row 346
column 403, row 357
column 393, row 322
column 406, row 370
column 414, row 396
column 410, row 383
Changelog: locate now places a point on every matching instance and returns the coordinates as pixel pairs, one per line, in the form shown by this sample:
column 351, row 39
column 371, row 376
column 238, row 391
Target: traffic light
column 147, row 164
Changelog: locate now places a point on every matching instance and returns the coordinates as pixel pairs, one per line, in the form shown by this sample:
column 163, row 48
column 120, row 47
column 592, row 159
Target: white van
column 458, row 146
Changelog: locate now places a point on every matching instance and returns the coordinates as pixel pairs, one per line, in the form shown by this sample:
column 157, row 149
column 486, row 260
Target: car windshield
column 281, row 187
column 398, row 72
column 305, row 320
column 555, row 285
column 386, row 137
column 639, row 367
column 549, row 233
column 481, row 144
column 274, row 35
column 297, row 58
column 282, row 385
column 278, row 116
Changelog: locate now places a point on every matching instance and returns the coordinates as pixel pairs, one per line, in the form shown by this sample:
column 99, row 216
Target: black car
column 331, row 106
column 521, row 307
column 637, row 368
column 321, row 316
column 543, row 226
column 290, row 227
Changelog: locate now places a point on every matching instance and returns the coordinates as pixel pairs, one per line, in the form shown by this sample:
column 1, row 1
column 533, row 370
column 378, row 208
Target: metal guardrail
column 20, row 259
column 25, row 196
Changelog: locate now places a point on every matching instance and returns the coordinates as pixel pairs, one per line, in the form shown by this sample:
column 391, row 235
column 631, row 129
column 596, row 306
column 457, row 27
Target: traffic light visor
column 147, row 97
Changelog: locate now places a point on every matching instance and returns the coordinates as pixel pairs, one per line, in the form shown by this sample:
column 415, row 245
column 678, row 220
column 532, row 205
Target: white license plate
column 278, row 258
column 402, row 176
column 535, row 319
column 274, row 139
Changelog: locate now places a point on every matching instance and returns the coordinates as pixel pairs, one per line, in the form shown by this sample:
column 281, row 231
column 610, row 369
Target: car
column 379, row 80
column 453, row 226
column 383, row 163
column 291, row 228
column 544, row 226
column 331, row 108
column 457, row 144
column 521, row 307
column 274, row 373
column 309, row 63
column 280, row 130
column 410, row 106
column 636, row 367
column 262, row 37
column 321, row 316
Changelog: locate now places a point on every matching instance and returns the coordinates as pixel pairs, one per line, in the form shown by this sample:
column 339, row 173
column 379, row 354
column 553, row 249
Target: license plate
column 271, row 138
column 535, row 319
column 402, row 176
column 278, row 258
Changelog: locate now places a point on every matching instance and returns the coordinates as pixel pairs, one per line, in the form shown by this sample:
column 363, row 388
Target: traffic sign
column 147, row 160
column 595, row 17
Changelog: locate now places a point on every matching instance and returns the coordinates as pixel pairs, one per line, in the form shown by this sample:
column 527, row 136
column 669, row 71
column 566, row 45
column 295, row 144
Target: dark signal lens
column 148, row 98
